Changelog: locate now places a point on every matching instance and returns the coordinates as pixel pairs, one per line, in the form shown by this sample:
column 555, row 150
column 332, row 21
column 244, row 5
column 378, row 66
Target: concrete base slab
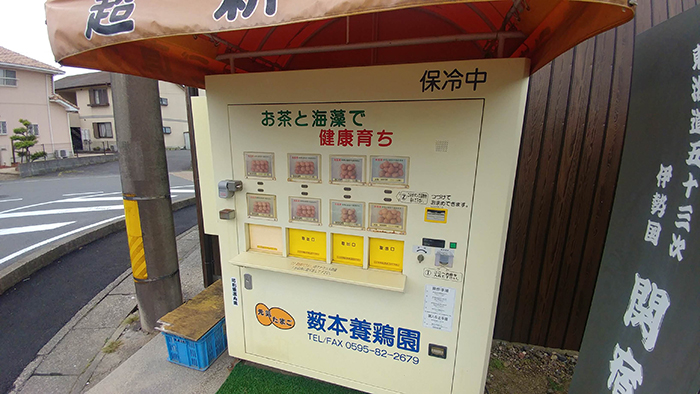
column 75, row 351
column 149, row 371
column 48, row 384
column 109, row 313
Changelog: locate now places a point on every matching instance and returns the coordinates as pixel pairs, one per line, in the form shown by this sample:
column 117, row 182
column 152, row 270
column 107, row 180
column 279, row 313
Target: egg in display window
column 389, row 170
column 304, row 168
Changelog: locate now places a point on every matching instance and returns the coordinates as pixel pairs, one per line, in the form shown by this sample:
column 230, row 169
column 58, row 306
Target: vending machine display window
column 262, row 206
column 260, row 165
column 347, row 169
column 304, row 168
column 305, row 210
column 389, row 170
column 347, row 214
column 387, row 218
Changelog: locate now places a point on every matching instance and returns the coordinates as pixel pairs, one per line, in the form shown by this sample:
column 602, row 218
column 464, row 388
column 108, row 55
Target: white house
column 27, row 92
column 92, row 93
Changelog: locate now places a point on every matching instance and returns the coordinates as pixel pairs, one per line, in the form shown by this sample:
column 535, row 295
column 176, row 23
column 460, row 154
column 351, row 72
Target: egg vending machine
column 362, row 216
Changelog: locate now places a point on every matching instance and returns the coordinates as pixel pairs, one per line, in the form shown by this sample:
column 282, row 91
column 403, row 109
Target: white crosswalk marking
column 61, row 211
column 31, row 229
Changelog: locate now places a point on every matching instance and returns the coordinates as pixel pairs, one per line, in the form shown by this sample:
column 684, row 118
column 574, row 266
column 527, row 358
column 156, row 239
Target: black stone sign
column 643, row 331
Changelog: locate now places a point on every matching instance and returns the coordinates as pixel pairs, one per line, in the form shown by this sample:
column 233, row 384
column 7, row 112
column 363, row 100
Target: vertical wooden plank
column 642, row 17
column 565, row 184
column 541, row 205
column 675, row 7
column 605, row 189
column 574, row 237
column 688, row 4
column 659, row 11
column 535, row 114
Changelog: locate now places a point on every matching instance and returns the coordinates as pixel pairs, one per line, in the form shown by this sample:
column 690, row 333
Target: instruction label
column 438, row 307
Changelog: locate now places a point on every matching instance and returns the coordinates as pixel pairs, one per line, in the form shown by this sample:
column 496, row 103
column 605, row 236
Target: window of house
column 98, row 97
column 166, row 130
column 33, row 129
column 8, row 77
column 163, row 101
column 102, row 130
column 3, row 127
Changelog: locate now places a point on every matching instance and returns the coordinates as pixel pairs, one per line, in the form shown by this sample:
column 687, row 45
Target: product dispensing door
column 364, row 245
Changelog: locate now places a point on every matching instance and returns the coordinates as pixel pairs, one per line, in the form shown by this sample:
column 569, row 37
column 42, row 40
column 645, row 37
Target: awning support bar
column 501, row 36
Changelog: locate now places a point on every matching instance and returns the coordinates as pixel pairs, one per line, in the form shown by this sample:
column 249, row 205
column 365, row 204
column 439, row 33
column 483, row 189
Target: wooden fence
column 569, row 160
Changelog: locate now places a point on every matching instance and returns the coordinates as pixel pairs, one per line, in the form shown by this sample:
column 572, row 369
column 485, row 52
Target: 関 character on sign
column 625, row 372
column 664, row 176
column 316, row 320
column 696, row 58
column 646, row 310
column 383, row 334
column 360, row 329
column 408, row 340
column 430, row 80
column 110, row 17
column 230, row 8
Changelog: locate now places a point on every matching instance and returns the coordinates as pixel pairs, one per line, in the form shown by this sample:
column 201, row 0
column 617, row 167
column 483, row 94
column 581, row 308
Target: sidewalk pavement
column 78, row 357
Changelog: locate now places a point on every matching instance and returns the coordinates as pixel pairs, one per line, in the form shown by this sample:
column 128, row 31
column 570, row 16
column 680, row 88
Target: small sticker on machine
column 234, row 290
column 438, row 307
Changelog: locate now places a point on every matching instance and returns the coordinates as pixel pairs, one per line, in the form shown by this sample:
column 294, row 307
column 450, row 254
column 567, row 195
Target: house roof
column 13, row 59
column 83, row 80
column 70, row 107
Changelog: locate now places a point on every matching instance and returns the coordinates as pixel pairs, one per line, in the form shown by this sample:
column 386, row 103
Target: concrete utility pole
column 146, row 192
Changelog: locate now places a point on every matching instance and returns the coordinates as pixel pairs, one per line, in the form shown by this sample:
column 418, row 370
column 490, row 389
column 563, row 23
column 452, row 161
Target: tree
column 23, row 140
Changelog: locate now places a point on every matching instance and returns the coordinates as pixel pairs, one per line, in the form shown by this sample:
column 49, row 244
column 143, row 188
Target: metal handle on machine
column 228, row 187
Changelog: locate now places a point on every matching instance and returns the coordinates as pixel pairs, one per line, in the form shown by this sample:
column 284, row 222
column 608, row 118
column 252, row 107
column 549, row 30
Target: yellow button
column 307, row 244
column 386, row 254
column 348, row 249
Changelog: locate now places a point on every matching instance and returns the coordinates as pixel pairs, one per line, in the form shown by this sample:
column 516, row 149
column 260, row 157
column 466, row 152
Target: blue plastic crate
column 197, row 355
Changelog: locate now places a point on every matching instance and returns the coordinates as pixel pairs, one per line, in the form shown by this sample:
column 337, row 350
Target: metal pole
column 146, row 192
column 204, row 241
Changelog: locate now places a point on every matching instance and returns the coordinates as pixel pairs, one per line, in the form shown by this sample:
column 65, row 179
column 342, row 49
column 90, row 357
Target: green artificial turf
column 245, row 379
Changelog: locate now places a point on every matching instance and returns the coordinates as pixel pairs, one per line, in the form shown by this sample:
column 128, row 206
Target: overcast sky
column 23, row 30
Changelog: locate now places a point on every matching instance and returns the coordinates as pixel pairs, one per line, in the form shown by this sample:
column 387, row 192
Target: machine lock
column 227, row 187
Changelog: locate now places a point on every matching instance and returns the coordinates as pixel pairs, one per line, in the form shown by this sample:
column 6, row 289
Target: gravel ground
column 523, row 369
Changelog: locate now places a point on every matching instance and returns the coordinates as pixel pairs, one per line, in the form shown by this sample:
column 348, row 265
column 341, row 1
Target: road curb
column 35, row 261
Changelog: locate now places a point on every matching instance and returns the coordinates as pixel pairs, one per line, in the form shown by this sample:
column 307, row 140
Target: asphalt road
column 33, row 311
column 37, row 211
